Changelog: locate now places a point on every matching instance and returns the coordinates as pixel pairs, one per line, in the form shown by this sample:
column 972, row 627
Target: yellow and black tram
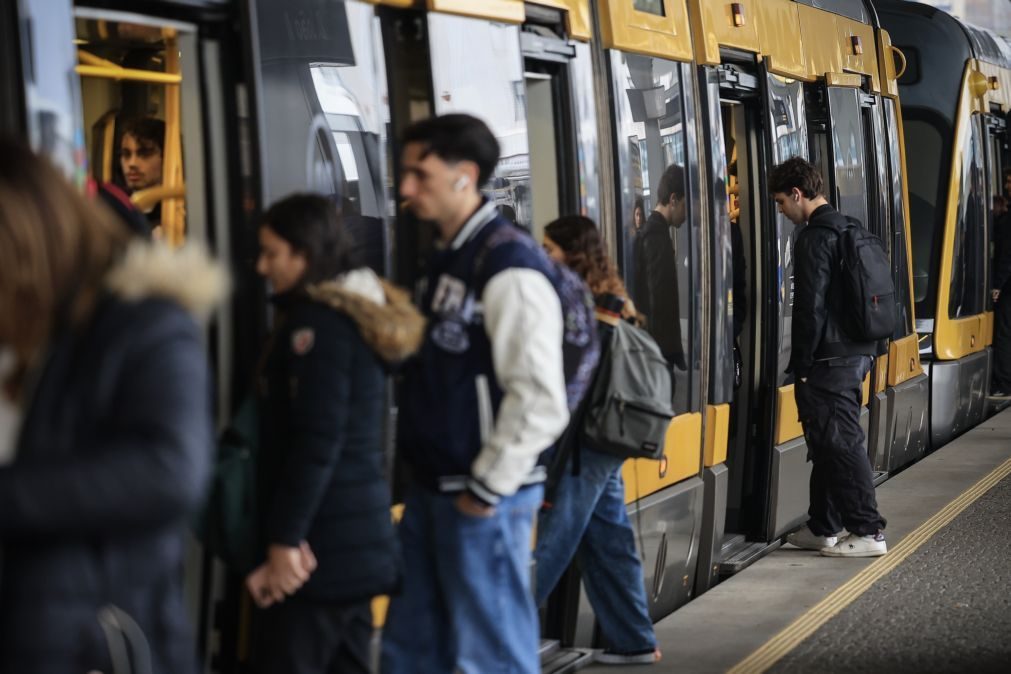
column 591, row 101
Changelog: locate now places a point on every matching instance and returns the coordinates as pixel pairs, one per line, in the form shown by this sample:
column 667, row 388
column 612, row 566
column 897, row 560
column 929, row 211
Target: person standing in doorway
column 485, row 397
column 829, row 368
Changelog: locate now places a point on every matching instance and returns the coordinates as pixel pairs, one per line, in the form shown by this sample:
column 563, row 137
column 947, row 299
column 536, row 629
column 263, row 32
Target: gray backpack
column 629, row 405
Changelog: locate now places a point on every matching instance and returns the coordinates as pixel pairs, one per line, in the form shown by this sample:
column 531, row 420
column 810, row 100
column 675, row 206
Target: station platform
column 939, row 601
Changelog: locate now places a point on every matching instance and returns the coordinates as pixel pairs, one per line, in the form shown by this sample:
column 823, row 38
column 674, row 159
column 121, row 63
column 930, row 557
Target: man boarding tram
column 830, row 366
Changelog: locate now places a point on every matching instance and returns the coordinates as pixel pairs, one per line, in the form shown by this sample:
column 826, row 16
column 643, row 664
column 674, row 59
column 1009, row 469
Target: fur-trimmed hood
column 388, row 322
column 187, row 276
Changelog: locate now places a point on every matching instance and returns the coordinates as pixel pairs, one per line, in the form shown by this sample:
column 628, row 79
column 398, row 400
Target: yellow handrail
column 902, row 57
column 146, row 199
column 133, row 74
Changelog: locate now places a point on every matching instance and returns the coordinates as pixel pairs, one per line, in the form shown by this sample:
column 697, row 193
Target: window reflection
column 477, row 69
column 967, row 272
column 649, row 6
column 325, row 114
column 655, row 245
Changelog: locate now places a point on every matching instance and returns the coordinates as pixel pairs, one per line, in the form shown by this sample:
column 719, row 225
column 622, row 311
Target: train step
column 739, row 554
column 879, row 477
column 558, row 660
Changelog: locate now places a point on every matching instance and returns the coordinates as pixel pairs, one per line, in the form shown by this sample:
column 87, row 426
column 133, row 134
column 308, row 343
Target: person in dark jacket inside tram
column 656, row 281
column 323, row 502
column 115, row 441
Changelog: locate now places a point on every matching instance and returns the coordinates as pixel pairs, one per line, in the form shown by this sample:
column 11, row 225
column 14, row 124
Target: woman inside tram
column 327, row 540
column 115, row 439
column 587, row 517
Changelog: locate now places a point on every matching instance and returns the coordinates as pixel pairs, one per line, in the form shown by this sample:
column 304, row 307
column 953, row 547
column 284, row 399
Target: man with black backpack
column 843, row 308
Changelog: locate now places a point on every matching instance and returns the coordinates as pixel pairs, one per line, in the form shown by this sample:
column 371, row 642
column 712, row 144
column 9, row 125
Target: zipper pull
column 621, row 418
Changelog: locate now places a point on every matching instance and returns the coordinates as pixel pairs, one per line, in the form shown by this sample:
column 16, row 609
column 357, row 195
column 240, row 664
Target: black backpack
column 867, row 289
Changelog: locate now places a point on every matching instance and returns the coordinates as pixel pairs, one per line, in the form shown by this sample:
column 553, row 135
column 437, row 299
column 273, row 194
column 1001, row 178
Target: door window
column 658, row 242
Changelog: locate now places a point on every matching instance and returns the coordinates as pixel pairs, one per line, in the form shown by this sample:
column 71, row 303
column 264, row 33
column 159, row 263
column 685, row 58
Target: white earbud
column 460, row 183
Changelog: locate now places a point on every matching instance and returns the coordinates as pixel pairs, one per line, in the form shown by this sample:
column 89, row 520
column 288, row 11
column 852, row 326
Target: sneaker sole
column 864, row 553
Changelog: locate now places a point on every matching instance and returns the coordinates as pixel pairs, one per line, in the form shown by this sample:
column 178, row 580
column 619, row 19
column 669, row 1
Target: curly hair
column 579, row 239
column 797, row 172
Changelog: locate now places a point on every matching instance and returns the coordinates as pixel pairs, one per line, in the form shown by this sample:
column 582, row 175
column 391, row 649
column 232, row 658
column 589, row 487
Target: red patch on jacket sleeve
column 302, row 341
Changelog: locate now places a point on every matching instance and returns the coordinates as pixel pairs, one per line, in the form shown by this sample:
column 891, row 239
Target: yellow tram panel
column 715, row 25
column 580, row 24
column 508, row 11
column 628, row 29
column 717, row 434
column 682, row 450
column 886, row 61
column 787, row 417
column 986, row 328
column 778, row 31
column 836, row 44
column 904, row 359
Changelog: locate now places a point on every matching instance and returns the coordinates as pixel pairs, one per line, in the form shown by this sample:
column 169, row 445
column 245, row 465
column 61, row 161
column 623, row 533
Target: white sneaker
column 858, row 546
column 805, row 539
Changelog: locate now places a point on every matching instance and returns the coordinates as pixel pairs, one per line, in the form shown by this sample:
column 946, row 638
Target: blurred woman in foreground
column 116, row 436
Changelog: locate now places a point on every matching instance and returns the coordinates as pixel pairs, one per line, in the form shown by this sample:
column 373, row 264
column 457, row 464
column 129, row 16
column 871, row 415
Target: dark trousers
column 1002, row 344
column 301, row 637
column 842, row 486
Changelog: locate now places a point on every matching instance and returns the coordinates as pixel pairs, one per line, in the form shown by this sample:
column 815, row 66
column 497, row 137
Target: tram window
column 968, row 268
column 325, row 115
column 900, row 261
column 924, row 158
column 477, row 68
column 658, row 257
column 649, row 6
column 137, row 83
column 849, row 168
column 790, row 134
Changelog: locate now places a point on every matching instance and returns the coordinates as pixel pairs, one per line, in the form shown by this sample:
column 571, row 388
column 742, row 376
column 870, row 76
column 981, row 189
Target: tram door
column 762, row 117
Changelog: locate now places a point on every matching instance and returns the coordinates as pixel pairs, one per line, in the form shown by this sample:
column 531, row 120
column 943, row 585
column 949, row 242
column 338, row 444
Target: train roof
column 966, row 39
column 854, row 9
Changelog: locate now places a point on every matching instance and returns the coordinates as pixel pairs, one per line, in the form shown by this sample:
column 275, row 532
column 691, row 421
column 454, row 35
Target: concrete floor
column 723, row 626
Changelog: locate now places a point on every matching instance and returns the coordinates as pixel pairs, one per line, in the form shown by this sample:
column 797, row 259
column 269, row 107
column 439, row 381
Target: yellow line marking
column 804, row 626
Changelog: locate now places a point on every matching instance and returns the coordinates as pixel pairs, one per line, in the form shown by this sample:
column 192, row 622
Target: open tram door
column 755, row 470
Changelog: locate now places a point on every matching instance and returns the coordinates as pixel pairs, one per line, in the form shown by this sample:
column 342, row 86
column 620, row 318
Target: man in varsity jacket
column 485, row 397
column 830, row 368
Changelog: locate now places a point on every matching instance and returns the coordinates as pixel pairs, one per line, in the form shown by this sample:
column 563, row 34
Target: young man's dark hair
column 311, row 226
column 145, row 130
column 672, row 184
column 799, row 173
column 454, row 138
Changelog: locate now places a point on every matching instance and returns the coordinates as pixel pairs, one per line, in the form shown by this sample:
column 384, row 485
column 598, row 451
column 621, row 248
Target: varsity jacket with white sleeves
column 486, row 394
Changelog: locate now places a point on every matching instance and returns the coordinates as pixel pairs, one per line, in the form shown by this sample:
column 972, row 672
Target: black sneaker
column 999, row 393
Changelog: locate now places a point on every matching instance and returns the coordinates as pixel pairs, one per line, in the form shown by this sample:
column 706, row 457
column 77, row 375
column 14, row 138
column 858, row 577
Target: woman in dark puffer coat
column 115, row 440
column 323, row 502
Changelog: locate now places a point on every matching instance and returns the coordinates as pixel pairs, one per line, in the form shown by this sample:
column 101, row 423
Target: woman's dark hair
column 457, row 137
column 799, row 173
column 579, row 239
column 311, row 226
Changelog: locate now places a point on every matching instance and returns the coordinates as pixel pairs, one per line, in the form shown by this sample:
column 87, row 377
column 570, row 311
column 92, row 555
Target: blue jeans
column 466, row 604
column 588, row 520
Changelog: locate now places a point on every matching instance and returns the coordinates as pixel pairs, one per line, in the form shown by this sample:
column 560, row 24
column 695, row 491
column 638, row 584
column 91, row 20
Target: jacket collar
column 482, row 216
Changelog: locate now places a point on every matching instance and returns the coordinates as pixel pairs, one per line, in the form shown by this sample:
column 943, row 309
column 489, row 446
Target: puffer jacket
column 322, row 400
column 112, row 457
column 818, row 331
